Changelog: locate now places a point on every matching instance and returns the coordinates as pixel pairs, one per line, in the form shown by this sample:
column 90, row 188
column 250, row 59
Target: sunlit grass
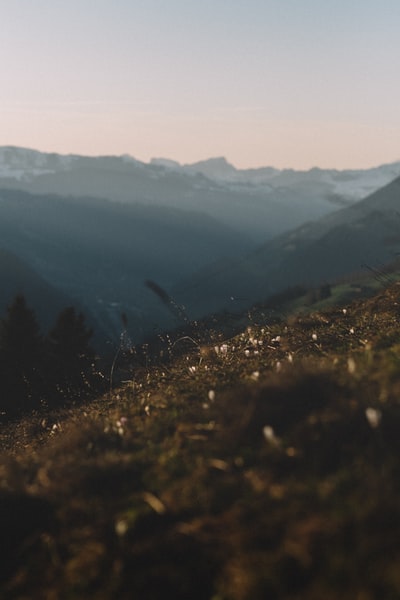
column 262, row 465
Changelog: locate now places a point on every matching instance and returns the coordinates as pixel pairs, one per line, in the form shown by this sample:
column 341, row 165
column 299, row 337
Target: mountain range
column 93, row 230
column 363, row 236
column 259, row 203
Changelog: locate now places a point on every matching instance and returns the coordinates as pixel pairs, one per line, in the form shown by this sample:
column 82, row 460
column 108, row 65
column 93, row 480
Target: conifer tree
column 71, row 358
column 21, row 354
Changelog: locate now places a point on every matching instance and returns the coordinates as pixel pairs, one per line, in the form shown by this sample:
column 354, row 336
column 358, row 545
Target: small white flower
column 345, row 311
column 269, row 435
column 121, row 527
column 247, row 352
column 373, row 416
column 352, row 330
column 192, row 369
column 211, row 395
column 255, row 375
column 55, row 428
column 351, row 365
column 314, row 337
column 224, row 349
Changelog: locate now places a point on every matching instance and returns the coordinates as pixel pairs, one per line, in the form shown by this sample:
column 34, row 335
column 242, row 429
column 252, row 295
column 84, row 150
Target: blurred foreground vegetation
column 260, row 466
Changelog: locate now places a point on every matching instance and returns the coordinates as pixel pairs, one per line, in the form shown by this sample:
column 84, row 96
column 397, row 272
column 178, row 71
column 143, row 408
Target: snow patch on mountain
column 25, row 164
column 324, row 189
column 349, row 185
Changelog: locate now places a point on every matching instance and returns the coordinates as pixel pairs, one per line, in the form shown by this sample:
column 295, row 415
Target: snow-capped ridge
column 26, row 163
column 319, row 186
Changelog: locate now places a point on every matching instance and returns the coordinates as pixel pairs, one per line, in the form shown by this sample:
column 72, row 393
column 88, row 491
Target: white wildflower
column 211, row 395
column 55, row 428
column 121, row 527
column 351, row 365
column 224, row 349
column 314, row 337
column 255, row 375
column 269, row 435
column 374, row 416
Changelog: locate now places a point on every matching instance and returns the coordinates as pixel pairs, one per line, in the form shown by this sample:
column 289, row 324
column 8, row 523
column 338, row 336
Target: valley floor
column 262, row 466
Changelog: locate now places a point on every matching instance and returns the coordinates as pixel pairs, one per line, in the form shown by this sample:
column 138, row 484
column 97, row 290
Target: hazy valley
column 350, row 241
column 214, row 237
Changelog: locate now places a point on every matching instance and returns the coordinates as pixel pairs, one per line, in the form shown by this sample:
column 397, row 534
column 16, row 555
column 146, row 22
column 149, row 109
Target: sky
column 284, row 83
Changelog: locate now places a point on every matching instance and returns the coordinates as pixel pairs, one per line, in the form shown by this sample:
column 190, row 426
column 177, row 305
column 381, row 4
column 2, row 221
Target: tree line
column 44, row 371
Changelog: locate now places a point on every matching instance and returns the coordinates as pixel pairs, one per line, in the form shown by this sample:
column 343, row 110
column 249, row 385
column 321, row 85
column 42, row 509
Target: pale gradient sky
column 288, row 83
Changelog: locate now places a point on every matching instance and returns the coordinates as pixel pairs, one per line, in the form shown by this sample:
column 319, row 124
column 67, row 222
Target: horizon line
column 201, row 160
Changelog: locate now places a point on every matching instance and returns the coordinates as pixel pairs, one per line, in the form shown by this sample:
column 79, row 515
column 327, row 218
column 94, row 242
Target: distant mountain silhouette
column 260, row 203
column 364, row 235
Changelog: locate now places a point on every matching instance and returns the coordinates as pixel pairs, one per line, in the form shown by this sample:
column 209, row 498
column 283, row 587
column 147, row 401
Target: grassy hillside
column 261, row 466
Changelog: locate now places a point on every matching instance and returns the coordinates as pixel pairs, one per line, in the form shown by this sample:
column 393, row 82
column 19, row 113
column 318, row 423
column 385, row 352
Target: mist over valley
column 95, row 229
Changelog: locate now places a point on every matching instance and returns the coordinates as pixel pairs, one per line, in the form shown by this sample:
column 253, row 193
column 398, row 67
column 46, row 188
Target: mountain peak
column 216, row 161
column 216, row 168
column 166, row 163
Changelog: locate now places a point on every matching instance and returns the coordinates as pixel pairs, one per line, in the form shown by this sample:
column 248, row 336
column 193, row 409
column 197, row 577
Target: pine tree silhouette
column 71, row 358
column 21, row 355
